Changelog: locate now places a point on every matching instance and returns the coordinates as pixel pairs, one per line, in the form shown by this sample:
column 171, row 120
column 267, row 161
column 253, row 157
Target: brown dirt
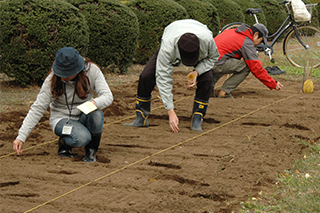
column 246, row 142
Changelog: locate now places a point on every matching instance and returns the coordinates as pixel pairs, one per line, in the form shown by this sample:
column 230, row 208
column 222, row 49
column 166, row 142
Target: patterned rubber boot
column 143, row 105
column 198, row 112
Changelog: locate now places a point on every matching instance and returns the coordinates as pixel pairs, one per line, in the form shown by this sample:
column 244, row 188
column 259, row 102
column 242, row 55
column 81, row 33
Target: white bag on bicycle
column 300, row 11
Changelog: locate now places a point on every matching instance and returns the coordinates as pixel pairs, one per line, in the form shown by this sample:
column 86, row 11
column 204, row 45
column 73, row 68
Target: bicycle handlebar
column 284, row 2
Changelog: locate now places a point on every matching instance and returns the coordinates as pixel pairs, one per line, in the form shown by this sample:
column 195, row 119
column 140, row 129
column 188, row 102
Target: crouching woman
column 71, row 82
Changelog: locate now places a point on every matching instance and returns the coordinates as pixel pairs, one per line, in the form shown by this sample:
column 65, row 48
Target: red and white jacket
column 238, row 43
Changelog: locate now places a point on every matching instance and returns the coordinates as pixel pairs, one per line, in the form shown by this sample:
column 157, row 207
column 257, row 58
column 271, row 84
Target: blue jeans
column 82, row 129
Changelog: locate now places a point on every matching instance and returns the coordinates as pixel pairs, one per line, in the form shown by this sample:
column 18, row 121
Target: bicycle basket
column 301, row 11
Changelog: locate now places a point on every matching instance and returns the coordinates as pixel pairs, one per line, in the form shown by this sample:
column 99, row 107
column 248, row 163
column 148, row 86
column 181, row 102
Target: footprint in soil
column 11, row 183
column 24, row 195
column 64, row 172
column 170, row 166
column 181, row 180
column 256, row 124
column 295, row 126
column 214, row 197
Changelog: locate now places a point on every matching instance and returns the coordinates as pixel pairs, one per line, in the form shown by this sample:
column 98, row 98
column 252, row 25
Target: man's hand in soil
column 17, row 146
column 173, row 121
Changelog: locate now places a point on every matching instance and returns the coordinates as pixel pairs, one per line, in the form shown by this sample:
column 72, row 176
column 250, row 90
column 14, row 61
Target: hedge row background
column 112, row 33
column 31, row 33
column 153, row 17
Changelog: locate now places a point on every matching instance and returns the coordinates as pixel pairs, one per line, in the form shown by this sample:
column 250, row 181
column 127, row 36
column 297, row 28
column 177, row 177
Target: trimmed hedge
column 153, row 17
column 315, row 14
column 33, row 31
column 275, row 14
column 228, row 11
column 114, row 31
column 251, row 4
column 318, row 11
column 202, row 11
column 315, row 20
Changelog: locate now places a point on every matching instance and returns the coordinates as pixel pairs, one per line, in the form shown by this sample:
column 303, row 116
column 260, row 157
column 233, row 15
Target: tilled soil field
column 246, row 142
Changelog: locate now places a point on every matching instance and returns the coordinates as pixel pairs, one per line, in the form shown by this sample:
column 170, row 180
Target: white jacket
column 169, row 55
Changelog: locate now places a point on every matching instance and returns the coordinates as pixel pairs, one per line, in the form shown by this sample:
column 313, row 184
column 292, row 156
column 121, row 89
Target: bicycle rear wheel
column 299, row 55
column 232, row 26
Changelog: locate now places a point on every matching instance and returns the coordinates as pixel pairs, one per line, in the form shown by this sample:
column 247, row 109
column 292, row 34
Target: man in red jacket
column 234, row 44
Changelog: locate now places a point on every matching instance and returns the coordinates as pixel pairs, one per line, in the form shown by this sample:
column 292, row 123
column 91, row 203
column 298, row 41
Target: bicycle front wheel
column 296, row 53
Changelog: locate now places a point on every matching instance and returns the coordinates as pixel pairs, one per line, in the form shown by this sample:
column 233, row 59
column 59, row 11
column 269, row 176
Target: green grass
column 283, row 63
column 13, row 97
column 296, row 191
column 315, row 1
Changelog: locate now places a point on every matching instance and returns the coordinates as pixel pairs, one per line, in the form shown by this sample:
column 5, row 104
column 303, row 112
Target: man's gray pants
column 237, row 67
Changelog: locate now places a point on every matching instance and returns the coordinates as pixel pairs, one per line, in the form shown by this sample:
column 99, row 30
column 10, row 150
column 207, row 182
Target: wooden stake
column 307, row 71
column 310, row 72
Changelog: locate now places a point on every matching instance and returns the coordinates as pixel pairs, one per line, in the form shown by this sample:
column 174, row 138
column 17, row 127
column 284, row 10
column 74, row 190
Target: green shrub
column 315, row 13
column 32, row 32
column 318, row 11
column 114, row 31
column 153, row 17
column 251, row 4
column 315, row 20
column 202, row 11
column 228, row 11
column 275, row 14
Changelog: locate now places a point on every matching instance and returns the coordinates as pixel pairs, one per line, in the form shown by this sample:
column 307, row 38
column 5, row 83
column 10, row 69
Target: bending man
column 187, row 42
column 233, row 45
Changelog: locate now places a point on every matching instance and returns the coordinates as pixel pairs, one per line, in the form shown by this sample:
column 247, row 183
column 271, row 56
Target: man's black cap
column 189, row 47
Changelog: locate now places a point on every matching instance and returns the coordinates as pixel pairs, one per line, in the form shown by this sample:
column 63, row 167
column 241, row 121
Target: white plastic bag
column 300, row 11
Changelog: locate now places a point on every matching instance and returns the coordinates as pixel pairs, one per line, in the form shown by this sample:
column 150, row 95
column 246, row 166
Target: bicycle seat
column 251, row 11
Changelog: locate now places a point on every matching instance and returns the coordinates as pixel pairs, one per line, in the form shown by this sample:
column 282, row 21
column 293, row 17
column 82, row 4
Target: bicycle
column 301, row 43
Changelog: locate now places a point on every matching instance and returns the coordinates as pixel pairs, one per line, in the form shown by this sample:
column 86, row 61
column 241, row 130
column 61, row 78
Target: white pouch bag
column 300, row 11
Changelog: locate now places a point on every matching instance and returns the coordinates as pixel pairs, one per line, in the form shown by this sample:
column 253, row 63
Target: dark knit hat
column 68, row 62
column 189, row 47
